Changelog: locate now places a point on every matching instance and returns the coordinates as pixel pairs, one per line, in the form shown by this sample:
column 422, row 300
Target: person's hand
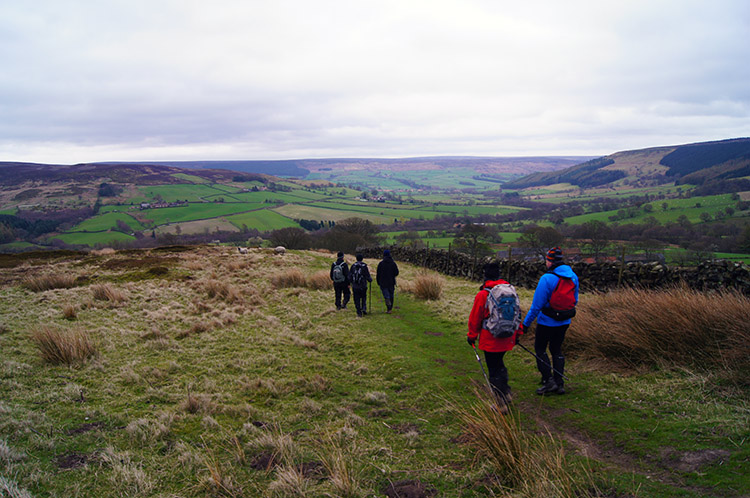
column 518, row 338
column 470, row 341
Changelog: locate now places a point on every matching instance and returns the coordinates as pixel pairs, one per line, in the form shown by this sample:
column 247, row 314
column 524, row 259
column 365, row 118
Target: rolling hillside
column 692, row 164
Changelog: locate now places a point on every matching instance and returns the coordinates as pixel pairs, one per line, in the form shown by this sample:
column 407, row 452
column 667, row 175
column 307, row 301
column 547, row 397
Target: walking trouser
column 497, row 372
column 360, row 299
column 388, row 293
column 553, row 338
column 341, row 289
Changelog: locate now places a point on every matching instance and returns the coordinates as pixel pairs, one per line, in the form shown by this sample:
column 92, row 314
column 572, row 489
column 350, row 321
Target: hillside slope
column 691, row 163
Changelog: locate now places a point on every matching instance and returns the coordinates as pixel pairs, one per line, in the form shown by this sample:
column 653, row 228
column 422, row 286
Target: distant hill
column 692, row 163
column 301, row 168
column 14, row 173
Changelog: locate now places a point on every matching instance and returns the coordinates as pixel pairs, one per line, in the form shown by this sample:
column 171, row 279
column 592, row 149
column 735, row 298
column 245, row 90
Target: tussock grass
column 70, row 312
column 427, row 286
column 68, row 347
column 345, row 476
column 320, row 280
column 218, row 289
column 528, row 464
column 106, row 292
column 41, row 283
column 289, row 278
column 11, row 489
column 674, row 327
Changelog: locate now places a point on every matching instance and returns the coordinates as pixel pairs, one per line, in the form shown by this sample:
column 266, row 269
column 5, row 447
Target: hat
column 554, row 255
column 340, row 254
column 387, row 252
column 491, row 271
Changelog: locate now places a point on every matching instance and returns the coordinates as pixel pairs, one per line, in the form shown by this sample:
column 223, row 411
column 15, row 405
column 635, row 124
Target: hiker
column 340, row 277
column 494, row 347
column 386, row 277
column 553, row 306
column 359, row 276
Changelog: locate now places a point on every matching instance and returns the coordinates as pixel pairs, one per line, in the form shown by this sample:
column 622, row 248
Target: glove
column 518, row 338
column 470, row 341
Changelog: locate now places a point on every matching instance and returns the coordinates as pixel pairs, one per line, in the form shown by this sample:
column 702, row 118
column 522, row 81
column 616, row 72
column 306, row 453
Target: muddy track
column 660, row 468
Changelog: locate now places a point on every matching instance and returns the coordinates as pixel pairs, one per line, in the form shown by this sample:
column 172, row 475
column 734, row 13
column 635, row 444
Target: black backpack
column 357, row 274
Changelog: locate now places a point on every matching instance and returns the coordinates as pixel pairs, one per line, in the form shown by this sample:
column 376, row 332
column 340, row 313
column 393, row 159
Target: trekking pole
column 370, row 305
column 541, row 360
column 482, row 367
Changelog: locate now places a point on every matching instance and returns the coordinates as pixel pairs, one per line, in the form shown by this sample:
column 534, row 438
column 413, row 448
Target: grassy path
column 211, row 380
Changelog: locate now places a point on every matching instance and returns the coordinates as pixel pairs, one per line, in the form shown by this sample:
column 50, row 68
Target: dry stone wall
column 710, row 275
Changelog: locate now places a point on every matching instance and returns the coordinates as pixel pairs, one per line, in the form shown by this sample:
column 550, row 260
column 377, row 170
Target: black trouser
column 552, row 337
column 360, row 299
column 497, row 372
column 341, row 288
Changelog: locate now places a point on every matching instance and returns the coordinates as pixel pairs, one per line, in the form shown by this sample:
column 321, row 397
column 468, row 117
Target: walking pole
column 370, row 306
column 541, row 360
column 482, row 367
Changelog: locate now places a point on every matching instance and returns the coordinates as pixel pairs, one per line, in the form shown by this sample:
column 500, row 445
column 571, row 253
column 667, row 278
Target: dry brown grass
column 70, row 312
column 427, row 286
column 319, row 281
column 530, row 464
column 217, row 289
column 677, row 326
column 41, row 283
column 68, row 347
column 107, row 292
column 289, row 278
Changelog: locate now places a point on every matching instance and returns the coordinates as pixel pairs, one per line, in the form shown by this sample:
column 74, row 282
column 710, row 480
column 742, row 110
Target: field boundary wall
column 709, row 275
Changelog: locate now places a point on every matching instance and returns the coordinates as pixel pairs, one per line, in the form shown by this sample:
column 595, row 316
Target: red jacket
column 487, row 341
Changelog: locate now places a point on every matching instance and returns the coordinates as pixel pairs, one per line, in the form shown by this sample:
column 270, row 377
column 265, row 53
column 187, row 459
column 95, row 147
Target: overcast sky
column 88, row 80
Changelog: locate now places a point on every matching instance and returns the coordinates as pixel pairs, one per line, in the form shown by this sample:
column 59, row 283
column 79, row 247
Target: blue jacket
column 544, row 288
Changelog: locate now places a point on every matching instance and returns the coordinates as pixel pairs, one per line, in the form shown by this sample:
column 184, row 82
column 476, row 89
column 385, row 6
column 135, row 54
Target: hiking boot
column 560, row 389
column 364, row 313
column 549, row 387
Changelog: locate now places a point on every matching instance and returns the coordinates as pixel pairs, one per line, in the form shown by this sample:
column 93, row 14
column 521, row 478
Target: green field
column 106, row 221
column 262, row 220
column 184, row 192
column 92, row 239
column 198, row 211
column 691, row 207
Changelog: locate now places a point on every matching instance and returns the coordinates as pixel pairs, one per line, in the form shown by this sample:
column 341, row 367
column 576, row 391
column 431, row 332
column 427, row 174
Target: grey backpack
column 504, row 310
column 338, row 273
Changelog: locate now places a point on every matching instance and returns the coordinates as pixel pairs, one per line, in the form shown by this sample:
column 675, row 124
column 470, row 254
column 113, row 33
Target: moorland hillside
column 201, row 371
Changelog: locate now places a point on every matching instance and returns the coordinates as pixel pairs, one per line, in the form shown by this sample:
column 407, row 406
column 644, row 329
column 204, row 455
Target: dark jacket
column 365, row 272
column 387, row 272
column 345, row 267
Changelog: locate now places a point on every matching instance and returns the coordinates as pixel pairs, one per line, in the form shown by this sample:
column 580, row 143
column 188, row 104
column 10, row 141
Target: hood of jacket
column 562, row 270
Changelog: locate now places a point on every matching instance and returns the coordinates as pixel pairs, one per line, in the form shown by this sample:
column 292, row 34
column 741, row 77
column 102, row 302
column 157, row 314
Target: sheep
column 242, row 250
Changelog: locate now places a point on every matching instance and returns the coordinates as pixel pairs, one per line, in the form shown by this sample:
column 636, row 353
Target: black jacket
column 365, row 273
column 387, row 272
column 344, row 267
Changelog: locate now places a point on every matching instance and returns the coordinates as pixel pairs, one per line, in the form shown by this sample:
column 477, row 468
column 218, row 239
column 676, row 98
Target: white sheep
column 279, row 250
column 243, row 250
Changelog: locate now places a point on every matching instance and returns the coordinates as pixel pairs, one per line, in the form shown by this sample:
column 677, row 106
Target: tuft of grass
column 68, row 347
column 217, row 289
column 42, row 283
column 345, row 478
column 530, row 464
column 106, row 292
column 70, row 312
column 673, row 327
column 319, row 281
column 428, row 286
column 289, row 482
column 289, row 278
